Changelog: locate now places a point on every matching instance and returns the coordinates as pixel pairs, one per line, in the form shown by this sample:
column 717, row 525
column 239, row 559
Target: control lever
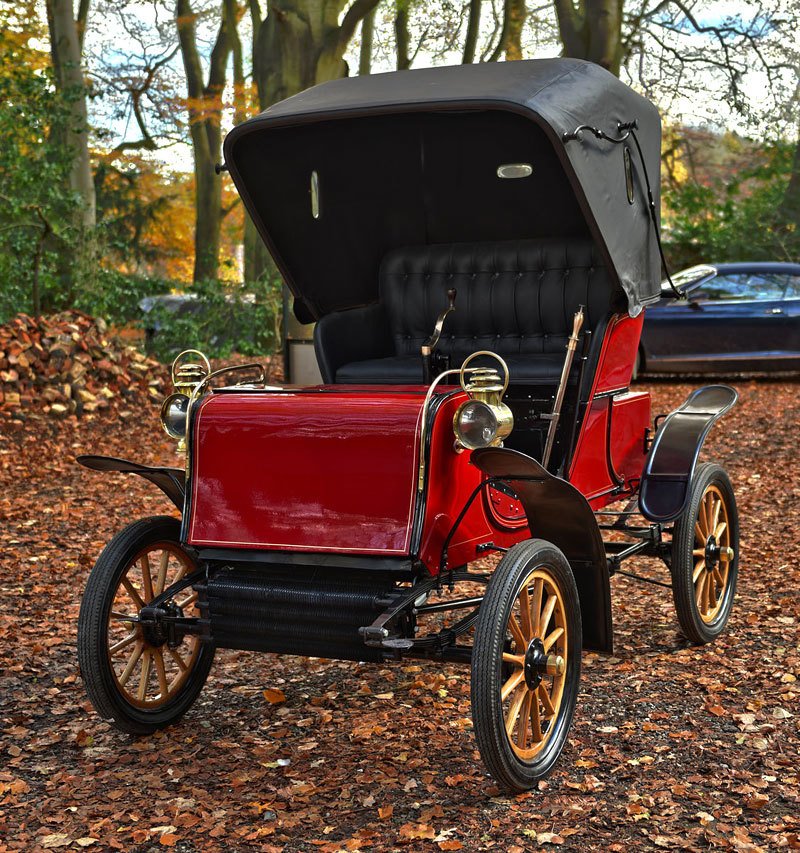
column 430, row 345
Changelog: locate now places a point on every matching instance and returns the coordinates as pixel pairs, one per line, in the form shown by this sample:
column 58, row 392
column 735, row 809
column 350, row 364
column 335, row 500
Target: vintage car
column 735, row 317
column 476, row 245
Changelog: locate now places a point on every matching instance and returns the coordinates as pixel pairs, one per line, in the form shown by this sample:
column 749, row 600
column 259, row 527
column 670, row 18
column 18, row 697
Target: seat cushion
column 516, row 298
column 401, row 370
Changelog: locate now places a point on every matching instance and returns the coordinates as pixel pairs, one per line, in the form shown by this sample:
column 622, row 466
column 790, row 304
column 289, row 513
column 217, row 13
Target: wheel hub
column 716, row 552
column 154, row 627
column 539, row 663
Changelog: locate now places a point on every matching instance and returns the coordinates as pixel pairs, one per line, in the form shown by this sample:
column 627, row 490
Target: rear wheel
column 136, row 681
column 526, row 664
column 705, row 556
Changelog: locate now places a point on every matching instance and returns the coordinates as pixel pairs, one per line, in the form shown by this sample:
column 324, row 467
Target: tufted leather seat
column 516, row 298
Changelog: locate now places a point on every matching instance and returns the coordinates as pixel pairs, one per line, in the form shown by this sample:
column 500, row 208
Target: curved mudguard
column 171, row 481
column 559, row 513
column 668, row 471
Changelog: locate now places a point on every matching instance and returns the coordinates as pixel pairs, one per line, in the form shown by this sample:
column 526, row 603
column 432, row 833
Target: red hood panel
column 330, row 471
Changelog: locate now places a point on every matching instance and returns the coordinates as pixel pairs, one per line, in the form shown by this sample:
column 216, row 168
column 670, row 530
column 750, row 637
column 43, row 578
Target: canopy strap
column 628, row 129
column 653, row 213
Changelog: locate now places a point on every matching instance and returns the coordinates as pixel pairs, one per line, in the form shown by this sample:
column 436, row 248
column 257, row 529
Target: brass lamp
column 484, row 420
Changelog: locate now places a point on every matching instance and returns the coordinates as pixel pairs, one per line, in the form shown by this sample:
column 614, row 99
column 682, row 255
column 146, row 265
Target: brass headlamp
column 484, row 420
column 189, row 370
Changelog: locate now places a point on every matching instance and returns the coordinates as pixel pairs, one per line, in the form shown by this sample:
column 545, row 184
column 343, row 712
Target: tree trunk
column 300, row 43
column 473, row 30
column 66, row 54
column 517, row 13
column 592, row 30
column 205, row 111
column 402, row 38
column 367, row 38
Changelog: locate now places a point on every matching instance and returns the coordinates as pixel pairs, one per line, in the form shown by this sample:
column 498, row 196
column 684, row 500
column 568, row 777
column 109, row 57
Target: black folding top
column 412, row 157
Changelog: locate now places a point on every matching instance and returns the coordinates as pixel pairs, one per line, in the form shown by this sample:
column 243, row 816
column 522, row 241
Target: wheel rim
column 537, row 624
column 712, row 554
column 150, row 676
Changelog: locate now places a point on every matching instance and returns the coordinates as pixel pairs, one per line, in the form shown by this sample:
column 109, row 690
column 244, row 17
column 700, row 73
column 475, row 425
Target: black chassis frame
column 641, row 539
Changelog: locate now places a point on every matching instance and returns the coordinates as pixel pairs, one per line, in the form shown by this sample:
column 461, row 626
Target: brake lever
column 430, row 345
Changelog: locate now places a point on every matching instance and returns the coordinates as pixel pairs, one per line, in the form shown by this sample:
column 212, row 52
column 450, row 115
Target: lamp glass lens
column 173, row 415
column 477, row 425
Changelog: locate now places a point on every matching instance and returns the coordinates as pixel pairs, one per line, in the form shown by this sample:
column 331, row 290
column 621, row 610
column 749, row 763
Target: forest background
column 112, row 116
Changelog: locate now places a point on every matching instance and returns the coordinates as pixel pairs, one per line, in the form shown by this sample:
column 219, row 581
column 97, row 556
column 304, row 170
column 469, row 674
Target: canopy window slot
column 514, row 170
column 315, row 203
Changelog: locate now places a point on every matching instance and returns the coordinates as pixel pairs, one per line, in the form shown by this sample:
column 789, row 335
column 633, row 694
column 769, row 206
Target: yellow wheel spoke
column 122, row 644
column 178, row 659
column 132, row 661
column 524, row 717
column 188, row 600
column 698, row 568
column 536, row 723
column 144, row 562
column 549, row 710
column 514, row 709
column 161, row 670
column 181, row 573
column 716, row 509
column 162, row 572
column 699, row 552
column 525, row 613
column 698, row 534
column 516, row 660
column 552, row 637
column 516, row 633
column 513, row 682
column 536, row 605
column 710, row 597
column 720, row 529
column 145, row 677
column 131, row 590
column 547, row 613
column 700, row 591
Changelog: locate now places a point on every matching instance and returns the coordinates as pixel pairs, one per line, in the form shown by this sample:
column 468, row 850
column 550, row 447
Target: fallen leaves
column 673, row 746
column 273, row 696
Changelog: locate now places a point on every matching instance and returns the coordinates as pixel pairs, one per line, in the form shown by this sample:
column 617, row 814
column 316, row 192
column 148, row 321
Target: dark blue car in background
column 737, row 317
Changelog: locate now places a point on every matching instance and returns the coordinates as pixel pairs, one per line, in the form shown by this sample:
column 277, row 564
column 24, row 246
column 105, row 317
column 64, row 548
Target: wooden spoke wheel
column 135, row 678
column 526, row 664
column 705, row 555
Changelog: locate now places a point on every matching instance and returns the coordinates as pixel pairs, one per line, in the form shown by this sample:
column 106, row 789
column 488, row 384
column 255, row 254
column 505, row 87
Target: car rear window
column 745, row 286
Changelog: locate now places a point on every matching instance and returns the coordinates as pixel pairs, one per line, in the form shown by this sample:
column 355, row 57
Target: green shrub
column 221, row 319
column 115, row 296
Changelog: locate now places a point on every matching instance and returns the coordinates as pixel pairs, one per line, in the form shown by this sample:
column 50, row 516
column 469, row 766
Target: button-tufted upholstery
column 516, row 298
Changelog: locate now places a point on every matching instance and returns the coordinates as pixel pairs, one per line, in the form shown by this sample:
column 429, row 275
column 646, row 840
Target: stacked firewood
column 67, row 364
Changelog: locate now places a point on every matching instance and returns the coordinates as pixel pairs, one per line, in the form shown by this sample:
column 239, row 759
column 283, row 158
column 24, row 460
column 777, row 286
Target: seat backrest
column 514, row 297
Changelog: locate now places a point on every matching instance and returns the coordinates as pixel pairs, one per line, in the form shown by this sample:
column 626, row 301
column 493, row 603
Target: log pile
column 66, row 364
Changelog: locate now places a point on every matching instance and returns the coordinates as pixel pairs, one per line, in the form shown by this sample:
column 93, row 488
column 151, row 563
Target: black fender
column 559, row 513
column 171, row 481
column 666, row 481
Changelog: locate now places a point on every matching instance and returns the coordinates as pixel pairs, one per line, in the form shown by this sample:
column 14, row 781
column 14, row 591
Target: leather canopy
column 338, row 176
column 515, row 298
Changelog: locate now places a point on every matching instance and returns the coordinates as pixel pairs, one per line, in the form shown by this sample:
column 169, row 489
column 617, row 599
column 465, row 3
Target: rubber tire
column 683, row 592
column 95, row 667
column 508, row 770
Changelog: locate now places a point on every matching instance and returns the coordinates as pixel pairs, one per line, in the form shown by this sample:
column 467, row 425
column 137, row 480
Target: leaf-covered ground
column 673, row 747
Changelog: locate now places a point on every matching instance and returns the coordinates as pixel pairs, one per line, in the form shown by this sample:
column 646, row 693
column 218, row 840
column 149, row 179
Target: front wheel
column 137, row 681
column 526, row 664
column 705, row 555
